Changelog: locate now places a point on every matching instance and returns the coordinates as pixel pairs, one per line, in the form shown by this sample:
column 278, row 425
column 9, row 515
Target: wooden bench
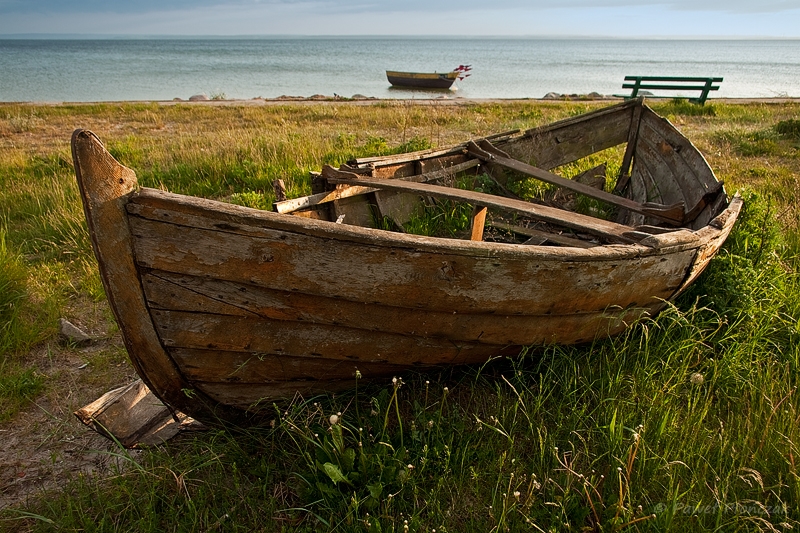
column 670, row 83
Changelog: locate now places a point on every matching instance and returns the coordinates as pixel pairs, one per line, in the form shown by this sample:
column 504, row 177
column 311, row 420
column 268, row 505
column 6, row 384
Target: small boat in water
column 224, row 308
column 422, row 80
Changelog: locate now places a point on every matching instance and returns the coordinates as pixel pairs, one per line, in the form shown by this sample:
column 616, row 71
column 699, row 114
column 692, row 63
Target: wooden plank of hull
column 290, row 306
column 687, row 162
column 680, row 176
column 239, row 334
column 571, row 139
column 106, row 187
column 547, row 146
column 437, row 281
column 355, row 210
column 217, row 366
column 717, row 231
column 259, row 396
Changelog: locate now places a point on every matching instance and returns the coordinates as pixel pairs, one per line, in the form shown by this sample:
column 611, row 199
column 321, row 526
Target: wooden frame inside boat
column 223, row 308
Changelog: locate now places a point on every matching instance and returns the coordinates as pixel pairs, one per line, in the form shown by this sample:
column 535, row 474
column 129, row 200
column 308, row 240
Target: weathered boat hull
column 223, row 307
column 422, row 80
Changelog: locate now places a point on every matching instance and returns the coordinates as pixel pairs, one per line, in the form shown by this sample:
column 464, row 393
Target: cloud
column 612, row 18
column 379, row 6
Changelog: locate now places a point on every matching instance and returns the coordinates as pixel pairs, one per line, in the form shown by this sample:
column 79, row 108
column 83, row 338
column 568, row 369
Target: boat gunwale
column 661, row 244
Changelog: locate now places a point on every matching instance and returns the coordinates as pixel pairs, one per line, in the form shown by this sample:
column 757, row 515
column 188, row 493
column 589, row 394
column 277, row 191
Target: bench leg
column 704, row 94
column 635, row 89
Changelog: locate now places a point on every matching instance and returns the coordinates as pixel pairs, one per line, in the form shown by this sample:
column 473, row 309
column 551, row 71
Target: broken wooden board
column 543, row 236
column 133, row 416
column 596, row 226
column 672, row 214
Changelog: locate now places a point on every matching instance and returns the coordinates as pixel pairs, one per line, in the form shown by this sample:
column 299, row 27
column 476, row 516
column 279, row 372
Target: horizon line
column 116, row 36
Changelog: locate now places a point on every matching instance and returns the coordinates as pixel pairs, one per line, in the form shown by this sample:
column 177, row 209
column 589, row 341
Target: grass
column 689, row 421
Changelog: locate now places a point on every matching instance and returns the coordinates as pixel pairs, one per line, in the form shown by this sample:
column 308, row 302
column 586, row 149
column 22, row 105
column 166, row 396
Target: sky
column 536, row 18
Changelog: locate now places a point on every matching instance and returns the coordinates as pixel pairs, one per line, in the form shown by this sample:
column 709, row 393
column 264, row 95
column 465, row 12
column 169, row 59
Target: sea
column 148, row 69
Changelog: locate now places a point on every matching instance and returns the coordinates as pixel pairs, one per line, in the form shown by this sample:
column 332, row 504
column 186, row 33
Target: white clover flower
column 334, row 419
column 696, row 378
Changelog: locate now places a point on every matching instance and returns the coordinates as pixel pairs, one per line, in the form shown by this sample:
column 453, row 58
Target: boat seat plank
column 672, row 214
column 295, row 204
column 595, row 226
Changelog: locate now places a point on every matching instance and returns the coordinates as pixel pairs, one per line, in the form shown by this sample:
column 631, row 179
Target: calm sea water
column 163, row 69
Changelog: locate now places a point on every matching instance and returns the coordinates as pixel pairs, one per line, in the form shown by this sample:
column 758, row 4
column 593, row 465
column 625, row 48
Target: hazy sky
column 614, row 18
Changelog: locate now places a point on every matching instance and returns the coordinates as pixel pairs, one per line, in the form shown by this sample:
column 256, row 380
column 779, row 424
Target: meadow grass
column 688, row 421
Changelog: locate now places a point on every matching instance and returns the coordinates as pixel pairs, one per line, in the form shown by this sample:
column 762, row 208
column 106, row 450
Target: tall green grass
column 688, row 421
column 17, row 384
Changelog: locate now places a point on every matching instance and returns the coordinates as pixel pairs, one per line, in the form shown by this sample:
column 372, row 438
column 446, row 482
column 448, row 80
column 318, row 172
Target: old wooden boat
column 422, row 80
column 223, row 308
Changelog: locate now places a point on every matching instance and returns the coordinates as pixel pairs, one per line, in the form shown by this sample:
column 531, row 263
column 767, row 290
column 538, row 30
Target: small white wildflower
column 696, row 378
column 517, row 494
column 358, row 374
column 411, row 467
column 334, row 419
column 394, row 381
column 430, row 423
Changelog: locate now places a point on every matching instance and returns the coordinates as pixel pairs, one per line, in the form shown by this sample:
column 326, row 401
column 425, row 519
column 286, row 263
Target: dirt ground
column 45, row 445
